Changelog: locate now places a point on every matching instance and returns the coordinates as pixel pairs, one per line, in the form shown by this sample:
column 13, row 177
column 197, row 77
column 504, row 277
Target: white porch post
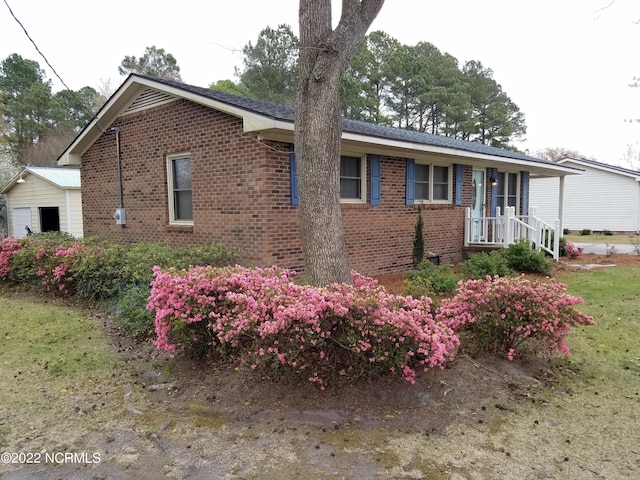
column 561, row 207
column 509, row 212
column 468, row 226
column 533, row 221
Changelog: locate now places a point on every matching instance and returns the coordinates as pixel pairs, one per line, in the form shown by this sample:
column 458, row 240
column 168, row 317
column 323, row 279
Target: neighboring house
column 167, row 162
column 45, row 200
column 604, row 197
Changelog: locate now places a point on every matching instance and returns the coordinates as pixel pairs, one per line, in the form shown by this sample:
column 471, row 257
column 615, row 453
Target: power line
column 79, row 100
column 36, row 46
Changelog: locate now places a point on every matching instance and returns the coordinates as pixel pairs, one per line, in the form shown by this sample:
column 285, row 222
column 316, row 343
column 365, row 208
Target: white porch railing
column 505, row 229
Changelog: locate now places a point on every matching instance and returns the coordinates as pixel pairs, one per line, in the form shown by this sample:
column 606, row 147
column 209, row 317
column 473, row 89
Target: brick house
column 181, row 164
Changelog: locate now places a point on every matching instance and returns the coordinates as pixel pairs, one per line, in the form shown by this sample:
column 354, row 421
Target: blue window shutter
column 374, row 165
column 294, row 175
column 411, row 177
column 525, row 192
column 458, row 184
column 494, row 193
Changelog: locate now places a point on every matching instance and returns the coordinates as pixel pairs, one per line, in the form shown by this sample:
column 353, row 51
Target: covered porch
column 506, row 228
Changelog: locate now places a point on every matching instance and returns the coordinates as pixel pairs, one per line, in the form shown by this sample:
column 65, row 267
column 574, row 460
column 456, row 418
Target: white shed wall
column 36, row 193
column 597, row 200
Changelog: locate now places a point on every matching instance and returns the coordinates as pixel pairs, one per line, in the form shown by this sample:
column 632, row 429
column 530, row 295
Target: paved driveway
column 601, row 248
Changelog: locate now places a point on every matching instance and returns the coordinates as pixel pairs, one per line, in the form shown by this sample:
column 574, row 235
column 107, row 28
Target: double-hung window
column 432, row 183
column 352, row 175
column 179, row 188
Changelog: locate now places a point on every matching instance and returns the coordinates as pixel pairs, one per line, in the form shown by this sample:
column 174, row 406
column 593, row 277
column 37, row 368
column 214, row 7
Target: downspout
column 117, row 131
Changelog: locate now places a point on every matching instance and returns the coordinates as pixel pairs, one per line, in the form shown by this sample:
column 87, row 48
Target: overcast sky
column 566, row 63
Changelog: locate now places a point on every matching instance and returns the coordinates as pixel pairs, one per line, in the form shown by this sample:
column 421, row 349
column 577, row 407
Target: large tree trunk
column 324, row 56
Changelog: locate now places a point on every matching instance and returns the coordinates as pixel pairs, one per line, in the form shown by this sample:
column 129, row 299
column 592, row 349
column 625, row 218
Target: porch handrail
column 504, row 229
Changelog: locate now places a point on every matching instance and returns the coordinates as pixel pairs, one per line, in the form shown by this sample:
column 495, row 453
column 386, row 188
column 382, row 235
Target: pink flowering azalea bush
column 8, row 248
column 38, row 260
column 573, row 251
column 320, row 334
column 54, row 263
column 502, row 313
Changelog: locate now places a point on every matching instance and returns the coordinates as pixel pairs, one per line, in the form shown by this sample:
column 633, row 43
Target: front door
column 478, row 195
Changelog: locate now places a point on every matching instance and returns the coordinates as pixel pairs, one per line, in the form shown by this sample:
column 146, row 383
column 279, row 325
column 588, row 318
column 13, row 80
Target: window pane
column 421, row 191
column 440, row 183
column 183, row 208
column 182, row 173
column 349, row 188
column 441, row 174
column 422, row 173
column 350, row 167
column 512, row 183
column 440, row 191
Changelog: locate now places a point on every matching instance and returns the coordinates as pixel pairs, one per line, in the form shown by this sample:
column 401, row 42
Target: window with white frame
column 508, row 191
column 179, row 188
column 352, row 176
column 432, row 183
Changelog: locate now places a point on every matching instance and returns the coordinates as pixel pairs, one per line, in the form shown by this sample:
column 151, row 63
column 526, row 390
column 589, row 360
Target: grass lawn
column 60, row 380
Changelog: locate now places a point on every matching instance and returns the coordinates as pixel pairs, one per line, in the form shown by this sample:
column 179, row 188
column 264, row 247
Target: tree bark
column 324, row 56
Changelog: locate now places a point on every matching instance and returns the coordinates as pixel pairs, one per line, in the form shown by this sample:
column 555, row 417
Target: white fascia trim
column 256, row 123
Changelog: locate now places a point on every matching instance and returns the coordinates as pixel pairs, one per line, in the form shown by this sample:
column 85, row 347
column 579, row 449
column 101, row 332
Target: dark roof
column 285, row 113
column 594, row 163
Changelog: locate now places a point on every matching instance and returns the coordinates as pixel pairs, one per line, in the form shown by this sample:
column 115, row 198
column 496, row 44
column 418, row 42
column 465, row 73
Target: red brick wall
column 241, row 195
column 379, row 238
column 227, row 179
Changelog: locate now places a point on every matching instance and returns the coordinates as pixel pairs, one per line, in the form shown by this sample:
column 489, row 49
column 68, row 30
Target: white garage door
column 21, row 219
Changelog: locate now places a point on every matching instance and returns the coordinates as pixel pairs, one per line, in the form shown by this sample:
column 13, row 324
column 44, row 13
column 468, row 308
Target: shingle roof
column 285, row 113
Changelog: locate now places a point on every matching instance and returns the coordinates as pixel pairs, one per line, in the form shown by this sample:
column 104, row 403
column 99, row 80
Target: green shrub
column 563, row 247
column 566, row 231
column 607, row 233
column 481, row 264
column 585, row 231
column 434, row 279
column 418, row 287
column 99, row 272
column 418, row 240
column 108, row 268
column 521, row 257
column 131, row 314
column 96, row 269
column 213, row 255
